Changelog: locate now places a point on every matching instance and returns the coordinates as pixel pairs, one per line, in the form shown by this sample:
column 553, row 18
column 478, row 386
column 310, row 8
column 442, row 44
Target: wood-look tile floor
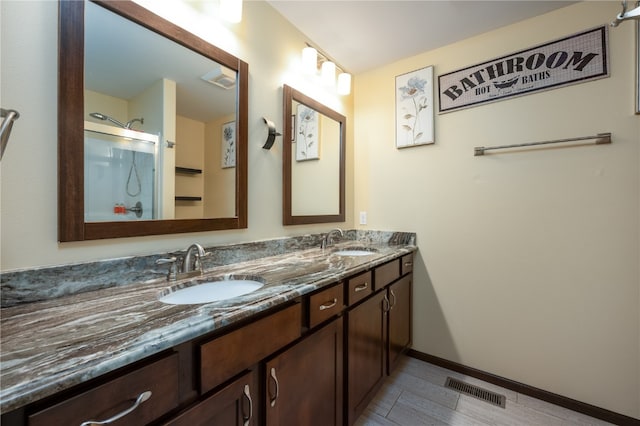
column 415, row 395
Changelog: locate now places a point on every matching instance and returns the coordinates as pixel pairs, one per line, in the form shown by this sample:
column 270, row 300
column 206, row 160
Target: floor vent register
column 476, row 392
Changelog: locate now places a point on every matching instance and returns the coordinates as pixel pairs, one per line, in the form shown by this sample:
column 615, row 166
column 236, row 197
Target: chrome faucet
column 191, row 264
column 328, row 239
column 192, row 259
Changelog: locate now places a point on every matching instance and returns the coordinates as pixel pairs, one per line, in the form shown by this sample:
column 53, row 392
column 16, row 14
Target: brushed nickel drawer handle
column 361, row 287
column 247, row 394
column 141, row 398
column 394, row 299
column 272, row 373
column 329, row 305
column 408, row 263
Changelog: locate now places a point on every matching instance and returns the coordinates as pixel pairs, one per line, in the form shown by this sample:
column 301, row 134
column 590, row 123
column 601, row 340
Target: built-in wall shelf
column 185, row 198
column 188, row 170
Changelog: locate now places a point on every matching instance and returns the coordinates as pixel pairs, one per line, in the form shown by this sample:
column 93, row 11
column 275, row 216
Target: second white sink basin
column 207, row 291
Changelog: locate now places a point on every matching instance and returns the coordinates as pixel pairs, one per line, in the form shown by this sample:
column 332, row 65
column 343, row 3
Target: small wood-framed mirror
column 313, row 161
column 84, row 109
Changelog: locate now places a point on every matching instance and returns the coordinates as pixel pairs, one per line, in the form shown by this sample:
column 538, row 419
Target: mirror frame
column 71, row 224
column 289, row 95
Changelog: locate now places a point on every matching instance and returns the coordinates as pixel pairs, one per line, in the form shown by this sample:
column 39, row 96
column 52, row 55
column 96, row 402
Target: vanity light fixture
column 344, row 83
column 271, row 136
column 231, row 10
column 328, row 73
column 313, row 60
column 310, row 60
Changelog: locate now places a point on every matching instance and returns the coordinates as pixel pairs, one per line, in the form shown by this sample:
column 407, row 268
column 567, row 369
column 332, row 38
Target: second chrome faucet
column 192, row 264
column 328, row 239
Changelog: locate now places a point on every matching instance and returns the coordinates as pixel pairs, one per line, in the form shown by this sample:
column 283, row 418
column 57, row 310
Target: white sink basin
column 354, row 252
column 207, row 291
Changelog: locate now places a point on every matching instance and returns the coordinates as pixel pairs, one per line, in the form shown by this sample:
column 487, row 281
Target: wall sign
column 570, row 60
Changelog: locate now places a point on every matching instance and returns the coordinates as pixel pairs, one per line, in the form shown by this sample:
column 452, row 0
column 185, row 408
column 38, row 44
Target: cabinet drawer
column 228, row 355
column 406, row 264
column 231, row 405
column 325, row 304
column 359, row 287
column 386, row 274
column 118, row 395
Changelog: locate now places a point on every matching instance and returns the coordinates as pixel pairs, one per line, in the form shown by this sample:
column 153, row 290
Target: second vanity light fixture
column 312, row 61
column 231, row 10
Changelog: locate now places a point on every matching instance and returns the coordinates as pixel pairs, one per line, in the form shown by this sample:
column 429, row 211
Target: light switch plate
column 363, row 218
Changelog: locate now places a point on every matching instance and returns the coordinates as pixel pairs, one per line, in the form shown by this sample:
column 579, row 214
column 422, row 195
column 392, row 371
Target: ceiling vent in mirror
column 222, row 77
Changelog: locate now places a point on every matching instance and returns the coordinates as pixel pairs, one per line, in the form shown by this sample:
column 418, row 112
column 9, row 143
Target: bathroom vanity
column 312, row 346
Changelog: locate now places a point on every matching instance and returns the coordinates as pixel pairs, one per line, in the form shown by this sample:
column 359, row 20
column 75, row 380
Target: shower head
column 98, row 116
column 104, row 117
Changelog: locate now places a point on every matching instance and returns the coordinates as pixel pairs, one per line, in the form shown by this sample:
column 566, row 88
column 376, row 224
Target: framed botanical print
column 229, row 144
column 414, row 108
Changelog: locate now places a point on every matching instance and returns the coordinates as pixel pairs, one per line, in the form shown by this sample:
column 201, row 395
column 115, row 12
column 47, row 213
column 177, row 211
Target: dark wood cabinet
column 399, row 295
column 366, row 353
column 378, row 333
column 304, row 384
column 319, row 360
column 236, row 404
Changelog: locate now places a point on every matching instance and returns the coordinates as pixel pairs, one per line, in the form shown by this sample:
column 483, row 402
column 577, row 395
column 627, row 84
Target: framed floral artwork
column 414, row 108
column 229, row 144
column 307, row 133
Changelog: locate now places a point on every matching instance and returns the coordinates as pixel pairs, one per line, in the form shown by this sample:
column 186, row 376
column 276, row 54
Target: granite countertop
column 53, row 345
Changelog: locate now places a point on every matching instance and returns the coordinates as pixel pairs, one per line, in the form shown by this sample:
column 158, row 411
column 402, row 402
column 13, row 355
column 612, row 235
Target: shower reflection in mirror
column 130, row 87
column 120, row 173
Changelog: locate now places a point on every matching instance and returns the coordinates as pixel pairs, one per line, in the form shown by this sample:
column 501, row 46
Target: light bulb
column 328, row 74
column 310, row 60
column 231, row 10
column 344, row 83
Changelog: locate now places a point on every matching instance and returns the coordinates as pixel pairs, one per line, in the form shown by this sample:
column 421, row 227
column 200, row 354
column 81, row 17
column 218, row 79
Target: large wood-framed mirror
column 313, row 161
column 125, row 154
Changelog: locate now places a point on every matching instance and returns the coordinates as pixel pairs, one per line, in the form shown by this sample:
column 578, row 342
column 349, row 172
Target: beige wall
column 315, row 184
column 268, row 43
column 190, row 143
column 219, row 183
column 114, row 107
column 527, row 262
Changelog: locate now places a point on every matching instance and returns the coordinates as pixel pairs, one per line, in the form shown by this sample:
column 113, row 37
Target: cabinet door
column 233, row 405
column 366, row 353
column 304, row 383
column 399, row 319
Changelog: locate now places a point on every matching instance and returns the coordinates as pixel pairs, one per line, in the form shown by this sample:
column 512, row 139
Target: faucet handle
column 199, row 258
column 173, row 266
column 205, row 254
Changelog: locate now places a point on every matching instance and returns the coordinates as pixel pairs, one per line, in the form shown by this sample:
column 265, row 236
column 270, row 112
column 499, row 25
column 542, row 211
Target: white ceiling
column 123, row 59
column 362, row 35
